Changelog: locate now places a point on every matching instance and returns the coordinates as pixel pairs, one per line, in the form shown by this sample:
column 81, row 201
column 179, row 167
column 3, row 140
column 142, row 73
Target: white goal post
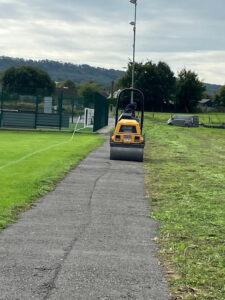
column 88, row 117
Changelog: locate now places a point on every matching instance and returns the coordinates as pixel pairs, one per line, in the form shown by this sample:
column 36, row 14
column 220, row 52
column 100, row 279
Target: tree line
column 29, row 80
column 165, row 92
column 162, row 90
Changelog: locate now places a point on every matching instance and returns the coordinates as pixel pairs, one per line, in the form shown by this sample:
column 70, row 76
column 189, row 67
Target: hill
column 211, row 89
column 60, row 71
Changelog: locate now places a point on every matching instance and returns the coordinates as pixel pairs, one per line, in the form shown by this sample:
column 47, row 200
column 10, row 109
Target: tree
column 27, row 80
column 1, row 75
column 156, row 81
column 167, row 82
column 189, row 90
column 69, row 89
column 206, row 95
column 219, row 98
column 87, row 90
column 68, row 84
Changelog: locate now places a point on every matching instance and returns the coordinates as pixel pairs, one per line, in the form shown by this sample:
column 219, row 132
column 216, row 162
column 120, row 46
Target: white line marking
column 13, row 162
column 31, row 154
column 75, row 128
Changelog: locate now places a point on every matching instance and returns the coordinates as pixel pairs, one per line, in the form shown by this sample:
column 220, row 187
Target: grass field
column 185, row 182
column 206, row 118
column 79, row 128
column 24, row 177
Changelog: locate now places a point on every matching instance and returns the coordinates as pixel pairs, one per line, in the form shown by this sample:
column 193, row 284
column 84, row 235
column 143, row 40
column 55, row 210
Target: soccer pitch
column 32, row 162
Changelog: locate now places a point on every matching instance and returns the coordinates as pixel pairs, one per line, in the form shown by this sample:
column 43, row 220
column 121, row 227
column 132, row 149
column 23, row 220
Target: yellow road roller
column 127, row 141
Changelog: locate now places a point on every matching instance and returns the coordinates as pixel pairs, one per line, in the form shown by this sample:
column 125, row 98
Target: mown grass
column 185, row 182
column 22, row 182
column 79, row 128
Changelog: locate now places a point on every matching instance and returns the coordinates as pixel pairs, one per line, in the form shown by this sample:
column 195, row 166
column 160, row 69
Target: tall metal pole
column 134, row 44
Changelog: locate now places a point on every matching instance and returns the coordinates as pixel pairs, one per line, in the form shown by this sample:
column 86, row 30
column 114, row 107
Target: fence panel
column 52, row 120
column 18, row 119
column 101, row 105
column 25, row 111
column 60, row 110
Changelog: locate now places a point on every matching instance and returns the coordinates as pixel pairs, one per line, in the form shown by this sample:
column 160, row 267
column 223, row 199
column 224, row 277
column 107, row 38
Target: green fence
column 101, row 106
column 61, row 110
column 32, row 111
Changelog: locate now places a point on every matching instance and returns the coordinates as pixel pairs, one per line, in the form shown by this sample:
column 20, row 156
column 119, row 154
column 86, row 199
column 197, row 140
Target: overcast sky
column 183, row 33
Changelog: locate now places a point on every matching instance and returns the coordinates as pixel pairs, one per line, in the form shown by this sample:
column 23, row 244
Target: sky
column 184, row 34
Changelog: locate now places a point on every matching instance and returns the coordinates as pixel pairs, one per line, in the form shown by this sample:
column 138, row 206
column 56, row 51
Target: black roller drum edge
column 126, row 153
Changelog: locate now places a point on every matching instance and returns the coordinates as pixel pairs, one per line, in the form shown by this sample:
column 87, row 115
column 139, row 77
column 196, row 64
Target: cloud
column 209, row 65
column 182, row 33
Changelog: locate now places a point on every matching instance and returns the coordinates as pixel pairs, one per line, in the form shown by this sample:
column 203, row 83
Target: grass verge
column 210, row 118
column 22, row 181
column 185, row 182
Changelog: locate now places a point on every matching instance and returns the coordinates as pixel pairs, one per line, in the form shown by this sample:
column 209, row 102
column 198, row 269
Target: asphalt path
column 90, row 238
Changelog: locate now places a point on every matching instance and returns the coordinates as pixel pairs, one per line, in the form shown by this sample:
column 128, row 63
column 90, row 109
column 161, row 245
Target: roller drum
column 127, row 153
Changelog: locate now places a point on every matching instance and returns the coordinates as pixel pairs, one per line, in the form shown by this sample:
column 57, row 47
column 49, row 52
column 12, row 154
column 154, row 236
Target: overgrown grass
column 185, row 181
column 206, row 118
column 22, row 182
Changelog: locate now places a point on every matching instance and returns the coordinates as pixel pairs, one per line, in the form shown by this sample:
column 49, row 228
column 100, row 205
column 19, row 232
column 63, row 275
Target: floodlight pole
column 134, row 44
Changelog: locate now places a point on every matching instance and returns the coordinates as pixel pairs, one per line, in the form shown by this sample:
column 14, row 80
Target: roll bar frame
column 142, row 104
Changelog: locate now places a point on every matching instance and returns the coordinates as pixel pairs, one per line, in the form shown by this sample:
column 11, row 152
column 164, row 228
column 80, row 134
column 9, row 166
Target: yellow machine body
column 127, row 142
column 127, row 131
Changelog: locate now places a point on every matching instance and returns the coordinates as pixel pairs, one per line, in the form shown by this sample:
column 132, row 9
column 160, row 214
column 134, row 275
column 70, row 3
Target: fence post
column 36, row 112
column 101, row 106
column 106, row 113
column 73, row 100
column 60, row 100
column 2, row 99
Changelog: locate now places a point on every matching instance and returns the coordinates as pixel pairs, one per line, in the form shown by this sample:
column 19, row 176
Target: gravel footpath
column 90, row 238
